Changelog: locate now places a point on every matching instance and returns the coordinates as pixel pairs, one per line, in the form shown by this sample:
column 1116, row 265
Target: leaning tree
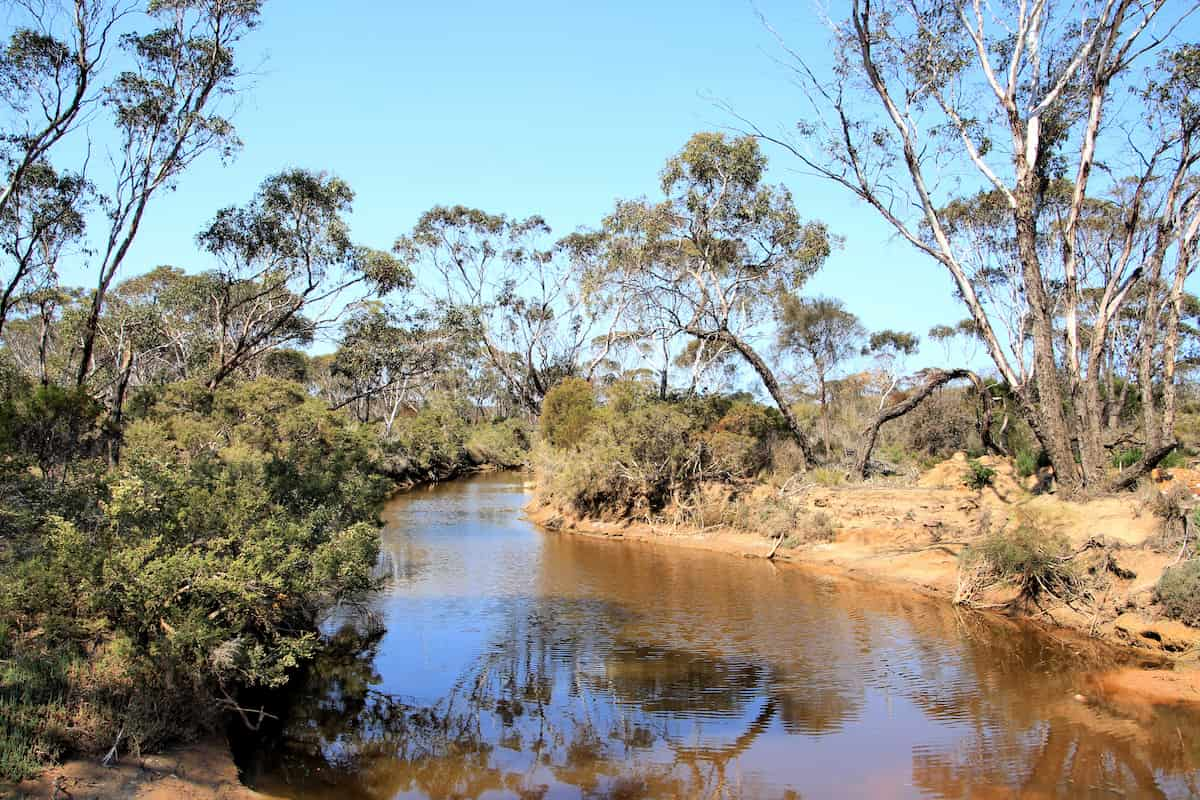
column 711, row 260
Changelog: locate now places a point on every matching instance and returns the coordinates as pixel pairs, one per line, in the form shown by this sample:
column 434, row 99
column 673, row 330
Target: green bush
column 504, row 443
column 32, row 706
column 1027, row 462
column 978, row 475
column 827, row 476
column 735, row 455
column 1178, row 590
column 568, row 411
column 197, row 567
column 1175, row 459
column 432, row 442
column 638, row 455
column 1126, row 457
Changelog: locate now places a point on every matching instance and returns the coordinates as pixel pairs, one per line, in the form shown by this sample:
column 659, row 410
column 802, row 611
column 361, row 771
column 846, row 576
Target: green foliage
column 1027, row 462
column 1175, row 459
column 639, row 454
column 977, row 475
column 48, row 426
column 827, row 476
column 1126, row 457
column 568, row 411
column 1178, row 590
column 502, row 444
column 200, row 564
column 736, row 455
column 431, row 442
column 32, row 694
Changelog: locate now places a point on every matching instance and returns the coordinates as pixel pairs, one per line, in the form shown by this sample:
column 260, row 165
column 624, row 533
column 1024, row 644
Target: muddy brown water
column 515, row 662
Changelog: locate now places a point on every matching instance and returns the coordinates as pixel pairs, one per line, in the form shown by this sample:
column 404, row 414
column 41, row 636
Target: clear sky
column 526, row 107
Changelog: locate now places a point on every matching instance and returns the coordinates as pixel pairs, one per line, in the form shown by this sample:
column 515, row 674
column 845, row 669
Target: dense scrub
column 635, row 454
column 1178, row 590
column 439, row 441
column 137, row 600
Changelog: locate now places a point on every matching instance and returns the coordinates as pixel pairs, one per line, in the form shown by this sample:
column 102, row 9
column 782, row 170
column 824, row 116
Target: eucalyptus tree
column 712, row 258
column 931, row 101
column 821, row 335
column 289, row 268
column 384, row 354
column 165, row 109
column 499, row 282
column 41, row 215
column 50, row 69
column 889, row 349
column 37, row 338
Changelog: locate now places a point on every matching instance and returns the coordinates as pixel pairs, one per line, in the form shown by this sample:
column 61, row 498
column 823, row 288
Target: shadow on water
column 520, row 664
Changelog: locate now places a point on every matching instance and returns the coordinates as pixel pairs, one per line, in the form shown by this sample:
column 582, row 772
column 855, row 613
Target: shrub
column 1030, row 556
column 32, row 695
column 501, row 444
column 1175, row 459
column 1126, row 457
column 736, row 455
column 1027, row 462
column 432, row 442
column 637, row 456
column 786, row 457
column 199, row 566
column 818, row 527
column 1178, row 590
column 827, row 476
column 568, row 411
column 978, row 475
column 773, row 518
column 750, row 419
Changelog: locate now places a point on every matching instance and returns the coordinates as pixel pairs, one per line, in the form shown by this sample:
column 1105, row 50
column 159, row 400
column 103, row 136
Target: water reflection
column 520, row 664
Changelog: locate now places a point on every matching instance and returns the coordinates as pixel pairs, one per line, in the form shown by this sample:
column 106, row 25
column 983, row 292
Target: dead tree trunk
column 934, row 379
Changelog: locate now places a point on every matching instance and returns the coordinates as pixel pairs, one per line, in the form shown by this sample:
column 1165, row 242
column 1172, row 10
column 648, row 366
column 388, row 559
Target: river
column 507, row 661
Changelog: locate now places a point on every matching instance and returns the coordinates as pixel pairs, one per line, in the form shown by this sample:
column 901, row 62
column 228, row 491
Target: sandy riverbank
column 910, row 537
column 201, row 771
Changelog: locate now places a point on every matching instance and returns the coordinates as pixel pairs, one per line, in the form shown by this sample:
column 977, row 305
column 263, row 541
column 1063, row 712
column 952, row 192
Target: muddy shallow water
column 515, row 662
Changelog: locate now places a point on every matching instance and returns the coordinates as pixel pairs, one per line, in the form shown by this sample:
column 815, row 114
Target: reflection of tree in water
column 576, row 691
column 553, row 700
column 1051, row 745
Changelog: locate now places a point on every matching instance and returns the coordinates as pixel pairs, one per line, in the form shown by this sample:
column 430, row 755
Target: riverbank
column 200, row 771
column 910, row 538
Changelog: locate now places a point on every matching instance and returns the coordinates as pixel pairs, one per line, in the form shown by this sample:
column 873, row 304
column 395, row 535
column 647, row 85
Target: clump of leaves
column 1178, row 590
column 197, row 566
column 568, row 411
column 1174, row 459
column 978, row 475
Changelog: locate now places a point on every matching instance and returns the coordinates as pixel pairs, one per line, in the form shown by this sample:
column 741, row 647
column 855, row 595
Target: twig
column 779, row 541
column 112, row 752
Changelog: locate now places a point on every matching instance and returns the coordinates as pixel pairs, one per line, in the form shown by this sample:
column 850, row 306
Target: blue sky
column 527, row 107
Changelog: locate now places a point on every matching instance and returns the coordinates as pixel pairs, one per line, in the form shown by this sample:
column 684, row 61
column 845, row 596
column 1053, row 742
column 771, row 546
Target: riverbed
column 502, row 660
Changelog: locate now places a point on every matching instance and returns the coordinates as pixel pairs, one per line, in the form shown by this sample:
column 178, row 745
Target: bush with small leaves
column 977, row 475
column 568, row 411
column 1178, row 591
column 1032, row 556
